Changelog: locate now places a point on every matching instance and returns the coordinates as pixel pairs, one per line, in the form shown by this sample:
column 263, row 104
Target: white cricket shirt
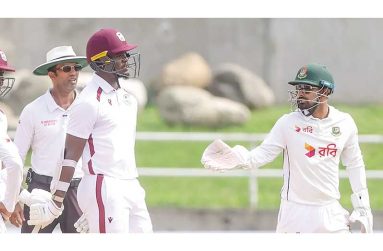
column 42, row 127
column 12, row 175
column 106, row 118
column 312, row 149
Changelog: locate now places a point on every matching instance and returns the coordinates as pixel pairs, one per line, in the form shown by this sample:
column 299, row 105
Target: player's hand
column 219, row 156
column 82, row 225
column 17, row 216
column 44, row 213
column 362, row 211
column 4, row 212
column 36, row 196
column 364, row 216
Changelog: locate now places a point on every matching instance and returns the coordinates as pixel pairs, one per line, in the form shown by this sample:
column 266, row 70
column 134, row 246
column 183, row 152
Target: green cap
column 314, row 74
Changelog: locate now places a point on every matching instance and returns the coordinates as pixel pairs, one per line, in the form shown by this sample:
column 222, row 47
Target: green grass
column 234, row 192
column 196, row 192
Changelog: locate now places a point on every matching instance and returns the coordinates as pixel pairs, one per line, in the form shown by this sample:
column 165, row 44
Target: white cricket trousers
column 300, row 218
column 113, row 205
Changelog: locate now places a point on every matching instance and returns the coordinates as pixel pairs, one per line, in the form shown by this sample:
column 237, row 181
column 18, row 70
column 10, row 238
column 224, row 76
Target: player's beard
column 123, row 73
column 304, row 104
column 307, row 107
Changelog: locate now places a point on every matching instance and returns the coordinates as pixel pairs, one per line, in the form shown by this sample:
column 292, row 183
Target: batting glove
column 362, row 211
column 82, row 225
column 44, row 213
column 36, row 196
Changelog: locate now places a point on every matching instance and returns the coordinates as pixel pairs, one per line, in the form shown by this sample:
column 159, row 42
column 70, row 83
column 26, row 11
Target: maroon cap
column 106, row 40
column 4, row 63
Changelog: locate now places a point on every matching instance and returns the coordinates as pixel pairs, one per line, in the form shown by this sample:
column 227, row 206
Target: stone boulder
column 189, row 105
column 190, row 69
column 239, row 84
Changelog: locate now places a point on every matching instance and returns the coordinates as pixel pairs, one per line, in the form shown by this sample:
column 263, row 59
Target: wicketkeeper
column 313, row 139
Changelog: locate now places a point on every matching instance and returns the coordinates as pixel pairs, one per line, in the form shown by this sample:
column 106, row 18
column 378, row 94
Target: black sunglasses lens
column 77, row 67
column 304, row 87
column 67, row 68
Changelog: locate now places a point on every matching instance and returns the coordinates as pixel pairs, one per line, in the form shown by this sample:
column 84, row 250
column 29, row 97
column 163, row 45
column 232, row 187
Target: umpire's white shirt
column 106, row 118
column 312, row 149
column 42, row 127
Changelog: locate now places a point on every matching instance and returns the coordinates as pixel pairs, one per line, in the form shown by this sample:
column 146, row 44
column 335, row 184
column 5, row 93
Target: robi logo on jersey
column 329, row 150
column 310, row 149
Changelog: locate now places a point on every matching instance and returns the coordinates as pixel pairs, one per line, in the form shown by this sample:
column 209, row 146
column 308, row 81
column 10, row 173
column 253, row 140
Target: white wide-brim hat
column 59, row 55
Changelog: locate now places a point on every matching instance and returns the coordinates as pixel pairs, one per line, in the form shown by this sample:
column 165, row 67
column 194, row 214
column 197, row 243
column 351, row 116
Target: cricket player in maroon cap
column 102, row 129
column 11, row 170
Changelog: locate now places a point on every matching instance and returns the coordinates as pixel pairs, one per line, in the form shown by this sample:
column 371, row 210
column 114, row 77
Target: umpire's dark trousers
column 71, row 213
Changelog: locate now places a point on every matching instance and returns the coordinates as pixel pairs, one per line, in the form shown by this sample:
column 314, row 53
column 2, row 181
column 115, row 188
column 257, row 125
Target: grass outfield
column 234, row 192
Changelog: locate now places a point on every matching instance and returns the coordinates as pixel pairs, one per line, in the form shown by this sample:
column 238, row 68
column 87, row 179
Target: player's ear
column 325, row 91
column 328, row 92
column 51, row 74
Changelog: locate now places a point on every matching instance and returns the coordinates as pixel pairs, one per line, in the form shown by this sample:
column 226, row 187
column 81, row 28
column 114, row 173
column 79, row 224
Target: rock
column 239, row 84
column 189, row 70
column 189, row 105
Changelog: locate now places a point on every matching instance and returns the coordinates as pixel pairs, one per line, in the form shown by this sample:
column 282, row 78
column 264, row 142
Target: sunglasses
column 305, row 88
column 69, row 68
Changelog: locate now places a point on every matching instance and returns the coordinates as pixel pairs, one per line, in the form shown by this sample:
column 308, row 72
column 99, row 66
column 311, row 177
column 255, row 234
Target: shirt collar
column 51, row 103
column 329, row 117
column 105, row 86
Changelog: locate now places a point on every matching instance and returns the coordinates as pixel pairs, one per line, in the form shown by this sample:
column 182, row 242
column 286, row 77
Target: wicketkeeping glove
column 82, row 225
column 44, row 213
column 219, row 156
column 362, row 211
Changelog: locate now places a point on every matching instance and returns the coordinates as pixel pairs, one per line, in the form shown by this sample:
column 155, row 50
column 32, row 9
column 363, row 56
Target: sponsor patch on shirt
column 307, row 129
column 50, row 122
column 329, row 150
column 310, row 150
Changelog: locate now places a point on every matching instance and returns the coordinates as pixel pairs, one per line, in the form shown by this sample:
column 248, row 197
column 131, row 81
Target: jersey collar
column 105, row 86
column 329, row 117
column 51, row 103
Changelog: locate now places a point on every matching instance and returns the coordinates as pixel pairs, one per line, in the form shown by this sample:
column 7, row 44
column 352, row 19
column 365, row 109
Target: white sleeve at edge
column 24, row 133
column 14, row 168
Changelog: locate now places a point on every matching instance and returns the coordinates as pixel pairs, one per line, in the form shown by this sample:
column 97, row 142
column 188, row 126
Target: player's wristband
column 62, row 186
column 58, row 198
column 69, row 162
